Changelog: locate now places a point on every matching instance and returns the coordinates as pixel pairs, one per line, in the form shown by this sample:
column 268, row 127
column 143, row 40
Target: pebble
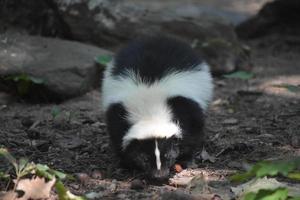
column 83, row 177
column 33, row 134
column 295, row 140
column 234, row 164
column 97, row 174
column 94, row 195
column 27, row 122
column 230, row 121
column 137, row 184
column 113, row 185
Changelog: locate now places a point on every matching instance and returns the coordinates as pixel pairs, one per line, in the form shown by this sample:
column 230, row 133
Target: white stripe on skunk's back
column 147, row 103
column 196, row 85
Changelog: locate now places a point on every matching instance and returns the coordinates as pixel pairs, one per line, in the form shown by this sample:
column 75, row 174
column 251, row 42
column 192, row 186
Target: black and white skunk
column 154, row 94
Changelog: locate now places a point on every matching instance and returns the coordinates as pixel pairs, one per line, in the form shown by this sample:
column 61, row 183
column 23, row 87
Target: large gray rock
column 58, row 69
column 281, row 17
column 113, row 22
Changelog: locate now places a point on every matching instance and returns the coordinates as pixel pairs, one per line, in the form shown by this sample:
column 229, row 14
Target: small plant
column 24, row 82
column 103, row 59
column 264, row 169
column 55, row 111
column 36, row 187
column 243, row 75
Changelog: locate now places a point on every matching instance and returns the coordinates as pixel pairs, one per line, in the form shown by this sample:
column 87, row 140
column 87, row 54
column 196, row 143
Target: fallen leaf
column 9, row 196
column 178, row 168
column 180, row 181
column 35, row 188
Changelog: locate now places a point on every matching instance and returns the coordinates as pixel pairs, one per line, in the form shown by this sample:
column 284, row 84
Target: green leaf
column 269, row 168
column 276, row 194
column 240, row 75
column 58, row 174
column 240, row 177
column 294, row 175
column 291, row 88
column 294, row 198
column 42, row 168
column 55, row 111
column 9, row 157
column 4, row 176
column 274, row 168
column 250, row 196
column 64, row 194
column 22, row 163
column 103, row 59
column 28, row 168
column 23, row 87
column 36, row 80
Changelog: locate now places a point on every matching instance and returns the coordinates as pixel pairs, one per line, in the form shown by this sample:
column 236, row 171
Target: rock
column 33, row 134
column 43, row 145
column 83, row 178
column 94, row 195
column 280, row 17
column 112, row 22
column 96, row 174
column 27, row 122
column 48, row 69
column 33, row 17
column 234, row 164
column 137, row 184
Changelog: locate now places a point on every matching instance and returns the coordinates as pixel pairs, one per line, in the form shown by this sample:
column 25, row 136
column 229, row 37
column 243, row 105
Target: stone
column 137, row 184
column 230, row 121
column 112, row 22
column 279, row 17
column 58, row 69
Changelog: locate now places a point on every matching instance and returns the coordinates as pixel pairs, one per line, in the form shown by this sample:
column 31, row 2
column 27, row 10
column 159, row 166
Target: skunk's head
column 152, row 146
column 153, row 156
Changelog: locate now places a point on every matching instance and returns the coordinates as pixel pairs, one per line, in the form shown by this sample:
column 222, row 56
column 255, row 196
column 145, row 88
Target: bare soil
column 248, row 121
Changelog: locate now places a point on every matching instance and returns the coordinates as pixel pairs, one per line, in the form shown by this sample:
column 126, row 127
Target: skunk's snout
column 160, row 175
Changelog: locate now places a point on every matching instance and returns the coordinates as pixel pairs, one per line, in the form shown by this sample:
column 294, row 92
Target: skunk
column 154, row 94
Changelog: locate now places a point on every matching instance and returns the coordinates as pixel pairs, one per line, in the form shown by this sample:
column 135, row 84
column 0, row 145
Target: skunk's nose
column 160, row 175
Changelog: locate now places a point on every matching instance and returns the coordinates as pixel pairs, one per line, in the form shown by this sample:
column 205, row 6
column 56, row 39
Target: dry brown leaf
column 35, row 188
column 9, row 196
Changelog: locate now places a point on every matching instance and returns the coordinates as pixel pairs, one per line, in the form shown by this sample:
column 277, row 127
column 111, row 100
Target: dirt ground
column 248, row 121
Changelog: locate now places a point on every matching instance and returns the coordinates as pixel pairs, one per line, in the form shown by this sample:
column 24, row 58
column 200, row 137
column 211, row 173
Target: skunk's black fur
column 151, row 60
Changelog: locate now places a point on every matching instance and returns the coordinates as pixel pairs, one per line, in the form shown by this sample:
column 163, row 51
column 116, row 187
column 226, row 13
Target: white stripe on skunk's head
column 151, row 129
